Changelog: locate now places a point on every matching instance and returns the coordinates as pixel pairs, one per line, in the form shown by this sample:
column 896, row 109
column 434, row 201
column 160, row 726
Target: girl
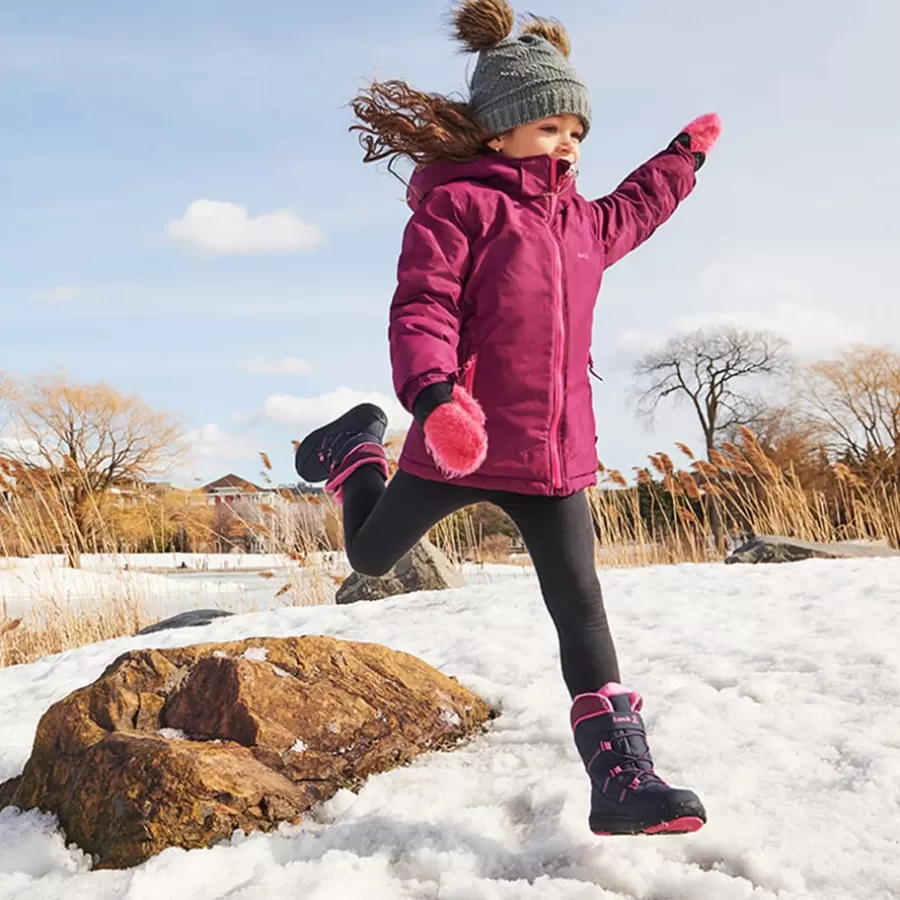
column 490, row 331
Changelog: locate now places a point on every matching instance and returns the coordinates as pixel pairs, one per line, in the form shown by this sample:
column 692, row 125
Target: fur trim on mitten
column 455, row 435
column 704, row 131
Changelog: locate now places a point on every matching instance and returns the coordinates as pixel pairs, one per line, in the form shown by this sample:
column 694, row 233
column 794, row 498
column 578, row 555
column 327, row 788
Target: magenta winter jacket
column 499, row 272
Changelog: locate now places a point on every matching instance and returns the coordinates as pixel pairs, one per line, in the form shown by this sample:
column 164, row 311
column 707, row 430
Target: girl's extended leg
column 383, row 522
column 559, row 536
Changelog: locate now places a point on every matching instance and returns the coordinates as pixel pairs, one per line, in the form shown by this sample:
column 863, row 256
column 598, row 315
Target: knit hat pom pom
column 551, row 31
column 482, row 24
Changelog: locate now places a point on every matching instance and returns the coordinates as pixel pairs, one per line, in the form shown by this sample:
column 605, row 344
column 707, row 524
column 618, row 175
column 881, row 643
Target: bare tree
column 85, row 440
column 855, row 400
column 714, row 370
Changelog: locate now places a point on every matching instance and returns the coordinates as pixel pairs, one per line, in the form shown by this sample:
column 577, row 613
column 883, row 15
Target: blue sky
column 121, row 119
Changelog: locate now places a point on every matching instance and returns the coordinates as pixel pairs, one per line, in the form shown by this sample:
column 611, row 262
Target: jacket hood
column 528, row 177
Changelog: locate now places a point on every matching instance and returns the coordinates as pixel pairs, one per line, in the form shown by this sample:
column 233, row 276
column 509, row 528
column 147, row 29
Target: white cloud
column 212, row 442
column 212, row 452
column 812, row 332
column 65, row 293
column 772, row 294
column 219, row 227
column 306, row 413
column 18, row 442
column 637, row 341
column 288, row 365
column 752, row 280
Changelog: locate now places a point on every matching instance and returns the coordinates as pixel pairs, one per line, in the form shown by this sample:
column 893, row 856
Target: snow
column 203, row 562
column 163, row 584
column 21, row 587
column 771, row 690
column 161, row 587
column 162, row 590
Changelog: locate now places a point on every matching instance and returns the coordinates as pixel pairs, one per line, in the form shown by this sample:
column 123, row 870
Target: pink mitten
column 455, row 435
column 704, row 132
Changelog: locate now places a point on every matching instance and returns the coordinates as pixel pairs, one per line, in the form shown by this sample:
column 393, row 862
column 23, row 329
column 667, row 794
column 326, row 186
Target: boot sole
column 306, row 464
column 681, row 825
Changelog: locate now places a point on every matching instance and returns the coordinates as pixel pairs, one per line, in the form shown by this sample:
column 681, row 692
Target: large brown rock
column 424, row 568
column 182, row 747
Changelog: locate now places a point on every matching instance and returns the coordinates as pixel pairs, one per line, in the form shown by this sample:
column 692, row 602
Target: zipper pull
column 591, row 369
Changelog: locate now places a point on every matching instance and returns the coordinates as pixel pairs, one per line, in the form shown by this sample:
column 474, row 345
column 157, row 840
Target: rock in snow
column 182, row 747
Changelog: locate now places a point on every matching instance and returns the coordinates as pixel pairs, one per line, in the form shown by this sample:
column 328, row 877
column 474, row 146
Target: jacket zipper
column 466, row 376
column 559, row 343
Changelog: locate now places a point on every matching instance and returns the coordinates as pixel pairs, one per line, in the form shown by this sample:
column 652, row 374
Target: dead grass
column 305, row 530
column 50, row 626
column 666, row 519
column 457, row 536
column 54, row 623
column 660, row 515
column 496, row 548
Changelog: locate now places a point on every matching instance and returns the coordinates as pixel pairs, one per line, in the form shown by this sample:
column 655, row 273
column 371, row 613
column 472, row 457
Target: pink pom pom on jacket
column 499, row 272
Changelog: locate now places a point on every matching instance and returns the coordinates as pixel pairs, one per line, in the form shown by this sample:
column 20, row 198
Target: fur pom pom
column 704, row 132
column 481, row 24
column 552, row 31
column 455, row 435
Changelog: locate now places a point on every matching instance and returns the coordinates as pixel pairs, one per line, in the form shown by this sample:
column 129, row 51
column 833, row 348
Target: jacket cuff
column 684, row 140
column 429, row 399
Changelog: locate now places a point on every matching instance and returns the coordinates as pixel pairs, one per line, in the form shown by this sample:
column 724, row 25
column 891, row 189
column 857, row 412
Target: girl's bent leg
column 382, row 521
column 559, row 535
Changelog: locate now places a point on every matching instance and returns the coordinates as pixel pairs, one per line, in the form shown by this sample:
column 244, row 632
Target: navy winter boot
column 336, row 450
column 627, row 796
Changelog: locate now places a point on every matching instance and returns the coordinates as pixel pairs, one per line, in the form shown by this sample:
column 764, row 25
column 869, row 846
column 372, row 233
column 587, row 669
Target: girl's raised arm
column 650, row 194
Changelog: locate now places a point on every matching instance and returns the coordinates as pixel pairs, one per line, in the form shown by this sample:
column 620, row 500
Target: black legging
column 382, row 523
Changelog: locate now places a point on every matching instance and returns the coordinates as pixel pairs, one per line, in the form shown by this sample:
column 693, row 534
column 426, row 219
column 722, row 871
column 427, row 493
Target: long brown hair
column 397, row 121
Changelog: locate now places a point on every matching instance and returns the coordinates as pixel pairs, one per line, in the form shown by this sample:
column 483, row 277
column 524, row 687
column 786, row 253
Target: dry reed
column 667, row 521
column 36, row 520
column 662, row 517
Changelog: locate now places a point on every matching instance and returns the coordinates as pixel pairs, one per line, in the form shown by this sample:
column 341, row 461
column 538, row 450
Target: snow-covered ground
column 771, row 690
column 224, row 562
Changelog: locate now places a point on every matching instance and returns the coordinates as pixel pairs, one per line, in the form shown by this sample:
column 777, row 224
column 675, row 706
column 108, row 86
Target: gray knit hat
column 518, row 79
